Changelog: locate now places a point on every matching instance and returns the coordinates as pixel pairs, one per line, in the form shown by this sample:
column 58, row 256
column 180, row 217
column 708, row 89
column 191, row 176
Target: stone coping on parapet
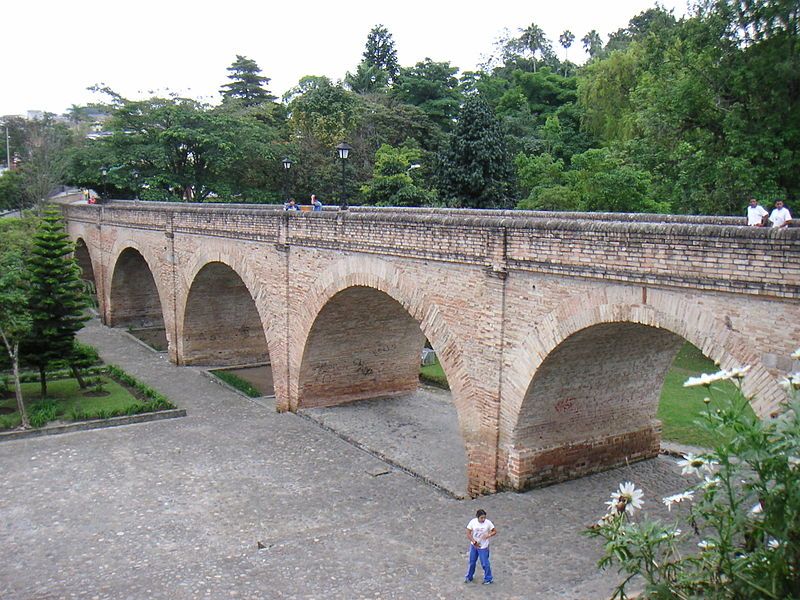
column 645, row 223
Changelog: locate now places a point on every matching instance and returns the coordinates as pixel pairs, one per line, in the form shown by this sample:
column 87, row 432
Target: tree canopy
column 692, row 114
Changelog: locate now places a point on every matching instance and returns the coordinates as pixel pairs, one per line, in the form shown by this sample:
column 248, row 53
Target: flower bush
column 742, row 536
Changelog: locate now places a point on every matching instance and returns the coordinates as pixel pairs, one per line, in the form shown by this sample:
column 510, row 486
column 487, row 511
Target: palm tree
column 566, row 39
column 534, row 39
column 593, row 43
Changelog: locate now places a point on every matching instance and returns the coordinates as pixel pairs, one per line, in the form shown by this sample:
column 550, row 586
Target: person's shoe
column 467, row 580
column 490, row 582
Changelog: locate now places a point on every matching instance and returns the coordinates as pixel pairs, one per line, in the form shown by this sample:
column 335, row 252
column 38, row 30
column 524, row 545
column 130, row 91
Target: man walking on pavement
column 479, row 531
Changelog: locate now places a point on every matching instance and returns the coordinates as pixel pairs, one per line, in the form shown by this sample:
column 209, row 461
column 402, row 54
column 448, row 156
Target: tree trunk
column 23, row 414
column 43, row 380
column 13, row 354
column 76, row 372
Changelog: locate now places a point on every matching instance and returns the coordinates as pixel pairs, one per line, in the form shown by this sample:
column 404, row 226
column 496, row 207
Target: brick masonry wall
column 222, row 325
column 499, row 295
column 363, row 344
column 134, row 294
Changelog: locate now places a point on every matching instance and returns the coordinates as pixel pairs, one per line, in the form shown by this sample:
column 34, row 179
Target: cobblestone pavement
column 175, row 509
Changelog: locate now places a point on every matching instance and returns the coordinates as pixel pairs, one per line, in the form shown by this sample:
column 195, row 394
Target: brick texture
column 554, row 329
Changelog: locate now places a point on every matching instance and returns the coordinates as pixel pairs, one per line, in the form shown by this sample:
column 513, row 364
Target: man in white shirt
column 479, row 530
column 780, row 216
column 755, row 214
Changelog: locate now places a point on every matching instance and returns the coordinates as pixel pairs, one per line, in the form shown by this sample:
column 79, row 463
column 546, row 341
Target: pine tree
column 56, row 300
column 381, row 53
column 247, row 85
column 475, row 168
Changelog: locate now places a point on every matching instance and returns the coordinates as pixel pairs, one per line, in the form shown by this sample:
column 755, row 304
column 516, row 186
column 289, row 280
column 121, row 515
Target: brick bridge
column 555, row 330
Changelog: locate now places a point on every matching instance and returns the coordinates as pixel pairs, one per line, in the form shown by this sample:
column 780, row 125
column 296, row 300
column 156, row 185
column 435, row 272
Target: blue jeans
column 483, row 554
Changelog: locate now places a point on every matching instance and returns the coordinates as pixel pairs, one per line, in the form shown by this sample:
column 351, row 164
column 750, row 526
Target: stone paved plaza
column 175, row 509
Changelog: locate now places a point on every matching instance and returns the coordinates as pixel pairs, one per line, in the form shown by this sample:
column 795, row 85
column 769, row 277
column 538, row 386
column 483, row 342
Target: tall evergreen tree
column 381, row 53
column 247, row 85
column 475, row 168
column 56, row 300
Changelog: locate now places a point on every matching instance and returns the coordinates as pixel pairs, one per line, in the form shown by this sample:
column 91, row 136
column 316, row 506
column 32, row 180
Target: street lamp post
column 344, row 151
column 287, row 164
column 105, row 183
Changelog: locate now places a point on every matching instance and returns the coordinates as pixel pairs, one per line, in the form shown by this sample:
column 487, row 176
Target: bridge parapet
column 708, row 253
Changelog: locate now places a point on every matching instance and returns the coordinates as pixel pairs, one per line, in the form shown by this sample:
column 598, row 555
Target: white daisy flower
column 757, row 509
column 794, row 461
column 626, row 499
column 706, row 545
column 670, row 534
column 774, row 544
column 692, row 464
column 738, row 372
column 791, row 381
column 677, row 498
column 706, row 379
column 710, row 482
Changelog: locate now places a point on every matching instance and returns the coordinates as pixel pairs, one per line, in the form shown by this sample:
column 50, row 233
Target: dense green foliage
column 689, row 115
column 475, row 166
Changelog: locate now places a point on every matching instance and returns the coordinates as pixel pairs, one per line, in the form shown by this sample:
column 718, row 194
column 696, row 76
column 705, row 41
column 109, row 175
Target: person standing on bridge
column 316, row 205
column 756, row 214
column 780, row 216
column 479, row 531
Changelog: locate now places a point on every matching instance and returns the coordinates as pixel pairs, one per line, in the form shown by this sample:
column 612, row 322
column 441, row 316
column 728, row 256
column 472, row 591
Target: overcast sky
column 53, row 50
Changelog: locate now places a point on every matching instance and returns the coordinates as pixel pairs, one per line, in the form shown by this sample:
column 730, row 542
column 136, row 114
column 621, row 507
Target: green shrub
column 76, row 413
column 9, row 421
column 237, row 383
column 44, row 412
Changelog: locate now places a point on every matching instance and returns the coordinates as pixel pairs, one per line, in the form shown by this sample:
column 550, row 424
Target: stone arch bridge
column 555, row 330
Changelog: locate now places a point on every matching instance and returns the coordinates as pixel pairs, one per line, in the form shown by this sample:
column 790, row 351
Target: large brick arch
column 243, row 271
column 382, row 277
column 589, row 379
column 122, row 314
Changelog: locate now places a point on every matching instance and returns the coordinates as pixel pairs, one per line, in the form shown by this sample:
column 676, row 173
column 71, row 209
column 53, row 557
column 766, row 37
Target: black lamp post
column 105, row 186
column 344, row 151
column 287, row 164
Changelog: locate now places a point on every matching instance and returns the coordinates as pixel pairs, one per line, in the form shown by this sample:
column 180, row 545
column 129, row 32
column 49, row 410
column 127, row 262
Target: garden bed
column 111, row 394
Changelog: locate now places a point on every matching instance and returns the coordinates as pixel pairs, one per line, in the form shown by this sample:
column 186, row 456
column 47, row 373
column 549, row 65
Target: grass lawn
column 66, row 401
column 679, row 407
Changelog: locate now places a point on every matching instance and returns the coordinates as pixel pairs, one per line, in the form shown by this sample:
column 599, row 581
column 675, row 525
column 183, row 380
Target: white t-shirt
column 480, row 531
column 779, row 216
column 755, row 214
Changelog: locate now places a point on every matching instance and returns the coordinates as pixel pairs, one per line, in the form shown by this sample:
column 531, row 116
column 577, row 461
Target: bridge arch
column 83, row 257
column 135, row 298
column 593, row 378
column 379, row 320
column 224, row 305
